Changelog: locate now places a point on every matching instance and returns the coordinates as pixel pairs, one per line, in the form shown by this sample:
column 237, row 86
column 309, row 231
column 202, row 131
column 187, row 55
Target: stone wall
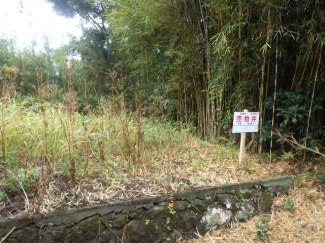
column 162, row 219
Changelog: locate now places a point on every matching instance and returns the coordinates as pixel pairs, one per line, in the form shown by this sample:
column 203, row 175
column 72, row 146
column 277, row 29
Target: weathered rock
column 226, row 200
column 282, row 185
column 156, row 212
column 183, row 223
column 245, row 212
column 57, row 232
column 138, row 231
column 209, row 199
column 244, row 194
column 85, row 231
column 265, row 201
column 136, row 214
column 216, row 218
column 27, row 234
column 200, row 205
column 119, row 221
column 181, row 205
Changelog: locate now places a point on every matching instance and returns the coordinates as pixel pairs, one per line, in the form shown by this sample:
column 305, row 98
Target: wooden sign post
column 244, row 122
column 242, row 145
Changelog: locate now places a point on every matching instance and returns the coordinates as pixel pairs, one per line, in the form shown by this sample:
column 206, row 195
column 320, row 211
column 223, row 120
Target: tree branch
column 293, row 142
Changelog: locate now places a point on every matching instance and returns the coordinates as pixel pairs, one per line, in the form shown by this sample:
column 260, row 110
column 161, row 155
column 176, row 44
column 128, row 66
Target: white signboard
column 245, row 122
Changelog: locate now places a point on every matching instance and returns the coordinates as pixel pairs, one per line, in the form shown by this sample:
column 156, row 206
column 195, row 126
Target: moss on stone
column 200, row 205
column 156, row 212
column 12, row 240
column 265, row 201
column 244, row 193
column 84, row 231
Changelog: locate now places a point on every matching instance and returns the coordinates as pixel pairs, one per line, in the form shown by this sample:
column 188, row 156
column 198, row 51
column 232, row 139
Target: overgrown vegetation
column 114, row 115
column 195, row 62
column 57, row 158
column 262, row 233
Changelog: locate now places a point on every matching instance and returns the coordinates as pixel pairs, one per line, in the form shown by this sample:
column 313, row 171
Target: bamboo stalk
column 274, row 98
column 312, row 100
column 260, row 145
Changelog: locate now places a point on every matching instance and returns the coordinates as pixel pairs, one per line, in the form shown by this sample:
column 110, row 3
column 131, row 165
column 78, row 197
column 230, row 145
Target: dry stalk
column 72, row 106
column 6, row 236
column 274, row 97
column 101, row 141
column 312, row 100
column 139, row 131
column 85, row 125
column 3, row 138
column 43, row 93
column 123, row 117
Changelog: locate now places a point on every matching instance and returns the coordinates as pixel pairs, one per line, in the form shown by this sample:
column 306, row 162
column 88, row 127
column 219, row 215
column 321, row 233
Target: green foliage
column 298, row 180
column 167, row 220
column 27, row 178
column 89, row 142
column 211, row 66
column 89, row 10
column 232, row 146
column 2, row 196
column 199, row 162
column 194, row 62
column 290, row 108
column 172, row 211
column 321, row 177
column 167, row 223
column 287, row 155
column 289, row 205
column 243, row 191
column 263, row 233
column 186, row 186
column 244, row 202
column 292, row 113
column 265, row 156
column 310, row 175
column 321, row 174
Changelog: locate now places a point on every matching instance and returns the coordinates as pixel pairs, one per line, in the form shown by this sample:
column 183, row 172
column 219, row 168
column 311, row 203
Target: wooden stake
column 242, row 145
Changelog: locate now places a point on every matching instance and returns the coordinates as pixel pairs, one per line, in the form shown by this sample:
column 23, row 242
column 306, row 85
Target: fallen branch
column 293, row 142
column 6, row 236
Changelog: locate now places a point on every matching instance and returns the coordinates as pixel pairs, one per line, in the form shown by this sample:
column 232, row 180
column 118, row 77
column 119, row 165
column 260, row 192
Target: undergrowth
column 99, row 137
column 55, row 157
column 42, row 140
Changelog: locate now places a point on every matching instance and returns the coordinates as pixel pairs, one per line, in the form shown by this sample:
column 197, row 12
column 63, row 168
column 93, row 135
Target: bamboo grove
column 209, row 58
column 198, row 61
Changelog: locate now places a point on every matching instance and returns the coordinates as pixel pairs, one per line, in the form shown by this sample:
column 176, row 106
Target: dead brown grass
column 305, row 224
column 192, row 164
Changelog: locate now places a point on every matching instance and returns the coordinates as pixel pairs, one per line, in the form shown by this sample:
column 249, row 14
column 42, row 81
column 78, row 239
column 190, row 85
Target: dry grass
column 193, row 163
column 306, row 223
